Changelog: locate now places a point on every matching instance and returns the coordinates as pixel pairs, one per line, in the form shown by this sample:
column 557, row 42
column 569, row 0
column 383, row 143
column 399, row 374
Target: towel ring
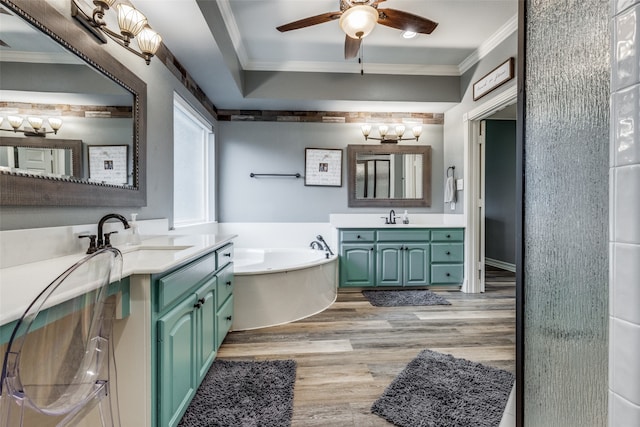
column 452, row 169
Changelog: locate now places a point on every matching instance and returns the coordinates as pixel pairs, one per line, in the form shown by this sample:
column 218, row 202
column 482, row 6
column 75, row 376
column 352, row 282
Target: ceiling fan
column 359, row 17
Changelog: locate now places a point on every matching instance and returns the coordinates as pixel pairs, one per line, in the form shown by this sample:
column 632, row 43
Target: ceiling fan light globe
column 358, row 21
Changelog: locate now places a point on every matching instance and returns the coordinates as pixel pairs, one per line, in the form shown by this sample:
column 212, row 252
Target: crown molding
column 353, row 67
column 234, row 32
column 488, row 45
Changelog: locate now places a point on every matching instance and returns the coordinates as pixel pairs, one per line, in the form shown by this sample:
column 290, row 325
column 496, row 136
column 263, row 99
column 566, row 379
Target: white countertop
column 415, row 220
column 19, row 285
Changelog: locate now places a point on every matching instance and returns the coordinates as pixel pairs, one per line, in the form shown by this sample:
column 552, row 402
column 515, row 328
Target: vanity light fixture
column 38, row 127
column 387, row 138
column 132, row 23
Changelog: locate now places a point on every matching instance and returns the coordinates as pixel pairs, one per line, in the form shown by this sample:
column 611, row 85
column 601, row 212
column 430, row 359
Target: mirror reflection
column 389, row 175
column 37, row 95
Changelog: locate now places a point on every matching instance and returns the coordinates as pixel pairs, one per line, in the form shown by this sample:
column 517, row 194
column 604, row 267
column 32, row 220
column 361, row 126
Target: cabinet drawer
column 414, row 235
column 224, row 319
column 447, row 252
column 225, row 284
column 176, row 284
column 446, row 273
column 357, row 235
column 447, row 235
column 224, row 255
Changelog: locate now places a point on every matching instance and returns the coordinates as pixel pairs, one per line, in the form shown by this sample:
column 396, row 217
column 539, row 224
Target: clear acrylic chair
column 56, row 367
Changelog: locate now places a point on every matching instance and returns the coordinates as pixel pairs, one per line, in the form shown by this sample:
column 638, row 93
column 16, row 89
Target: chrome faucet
column 316, row 245
column 326, row 247
column 104, row 240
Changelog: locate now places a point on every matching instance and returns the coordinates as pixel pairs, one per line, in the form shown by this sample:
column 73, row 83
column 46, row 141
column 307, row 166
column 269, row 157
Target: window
column 193, row 166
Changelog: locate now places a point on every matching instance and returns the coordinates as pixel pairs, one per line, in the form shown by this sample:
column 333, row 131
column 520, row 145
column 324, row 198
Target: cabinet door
column 176, row 361
column 357, row 265
column 389, row 262
column 206, row 327
column 416, row 264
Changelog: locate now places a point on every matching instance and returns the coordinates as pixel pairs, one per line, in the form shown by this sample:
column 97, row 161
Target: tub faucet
column 316, row 245
column 103, row 239
column 326, row 247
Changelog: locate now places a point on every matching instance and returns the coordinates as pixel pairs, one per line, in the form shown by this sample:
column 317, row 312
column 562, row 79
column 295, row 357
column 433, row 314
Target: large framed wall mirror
column 51, row 67
column 389, row 175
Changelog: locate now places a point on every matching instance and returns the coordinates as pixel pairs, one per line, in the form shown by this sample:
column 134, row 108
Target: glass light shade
column 358, row 21
column 148, row 41
column 55, row 122
column 15, row 121
column 383, row 129
column 366, row 130
column 1, row 120
column 35, row 122
column 400, row 130
column 417, row 131
column 130, row 20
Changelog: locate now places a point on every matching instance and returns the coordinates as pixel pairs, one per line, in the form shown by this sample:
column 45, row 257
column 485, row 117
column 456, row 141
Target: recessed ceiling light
column 409, row 34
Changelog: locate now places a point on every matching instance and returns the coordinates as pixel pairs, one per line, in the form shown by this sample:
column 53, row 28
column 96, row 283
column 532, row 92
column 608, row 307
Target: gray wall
column 279, row 147
column 453, row 118
column 566, row 211
column 500, row 190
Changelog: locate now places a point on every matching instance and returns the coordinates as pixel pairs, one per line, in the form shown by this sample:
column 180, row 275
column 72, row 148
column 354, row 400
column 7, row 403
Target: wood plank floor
column 348, row 354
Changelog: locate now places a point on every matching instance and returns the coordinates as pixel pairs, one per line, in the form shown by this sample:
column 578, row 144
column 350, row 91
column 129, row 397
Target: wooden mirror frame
column 353, row 150
column 75, row 145
column 45, row 191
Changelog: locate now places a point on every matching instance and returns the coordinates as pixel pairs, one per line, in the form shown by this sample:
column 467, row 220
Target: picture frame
column 108, row 164
column 323, row 167
column 494, row 79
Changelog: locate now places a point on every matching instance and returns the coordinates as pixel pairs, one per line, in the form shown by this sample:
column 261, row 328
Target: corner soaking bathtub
column 276, row 286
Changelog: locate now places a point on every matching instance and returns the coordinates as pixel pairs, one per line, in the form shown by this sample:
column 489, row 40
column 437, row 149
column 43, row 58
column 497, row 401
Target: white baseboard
column 500, row 264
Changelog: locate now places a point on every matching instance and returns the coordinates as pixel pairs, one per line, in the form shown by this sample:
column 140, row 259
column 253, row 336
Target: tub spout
column 316, row 245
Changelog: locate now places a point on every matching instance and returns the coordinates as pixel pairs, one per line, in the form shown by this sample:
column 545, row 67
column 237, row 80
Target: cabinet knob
column 371, row 249
column 228, row 254
column 201, row 300
column 358, row 237
column 448, row 274
column 228, row 283
column 448, row 253
column 197, row 305
column 229, row 318
column 448, row 236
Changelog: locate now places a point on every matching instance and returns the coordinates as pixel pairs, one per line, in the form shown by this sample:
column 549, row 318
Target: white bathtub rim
column 315, row 262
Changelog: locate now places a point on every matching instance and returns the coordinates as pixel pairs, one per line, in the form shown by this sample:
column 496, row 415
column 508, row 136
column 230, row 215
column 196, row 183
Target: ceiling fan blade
column 405, row 21
column 351, row 47
column 307, row 22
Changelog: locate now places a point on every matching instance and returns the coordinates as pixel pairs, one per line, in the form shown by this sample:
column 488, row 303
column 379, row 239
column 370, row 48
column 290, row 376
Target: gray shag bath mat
column 439, row 390
column 396, row 298
column 244, row 394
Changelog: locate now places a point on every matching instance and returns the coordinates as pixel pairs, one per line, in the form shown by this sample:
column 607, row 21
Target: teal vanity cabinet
column 190, row 307
column 447, row 256
column 402, row 258
column 357, row 258
column 388, row 257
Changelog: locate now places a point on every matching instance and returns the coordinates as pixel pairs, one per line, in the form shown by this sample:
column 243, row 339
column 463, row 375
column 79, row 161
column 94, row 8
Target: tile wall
column 624, row 252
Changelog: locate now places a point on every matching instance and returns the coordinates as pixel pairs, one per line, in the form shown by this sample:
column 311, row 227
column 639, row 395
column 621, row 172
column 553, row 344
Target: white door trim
column 474, row 240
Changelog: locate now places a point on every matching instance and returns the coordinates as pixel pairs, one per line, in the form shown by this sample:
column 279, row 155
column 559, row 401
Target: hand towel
column 450, row 190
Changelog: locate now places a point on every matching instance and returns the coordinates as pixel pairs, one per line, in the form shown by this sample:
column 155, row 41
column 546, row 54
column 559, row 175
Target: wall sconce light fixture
column 387, row 138
column 132, row 23
column 38, row 127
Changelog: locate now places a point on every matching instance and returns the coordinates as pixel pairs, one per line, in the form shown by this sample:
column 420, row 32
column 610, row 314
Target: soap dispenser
column 134, row 237
column 405, row 217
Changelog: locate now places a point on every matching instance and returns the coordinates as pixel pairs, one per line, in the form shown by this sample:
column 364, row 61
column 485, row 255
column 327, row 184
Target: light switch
column 459, row 184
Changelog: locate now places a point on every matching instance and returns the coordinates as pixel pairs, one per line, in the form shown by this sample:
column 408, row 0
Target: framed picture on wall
column 108, row 164
column 323, row 167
